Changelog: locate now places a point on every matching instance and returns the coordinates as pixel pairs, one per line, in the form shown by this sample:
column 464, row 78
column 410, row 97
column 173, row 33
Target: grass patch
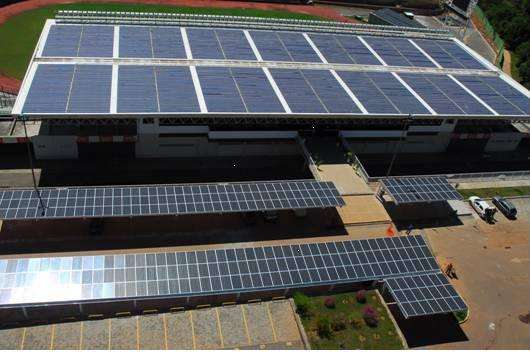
column 356, row 335
column 491, row 192
column 19, row 34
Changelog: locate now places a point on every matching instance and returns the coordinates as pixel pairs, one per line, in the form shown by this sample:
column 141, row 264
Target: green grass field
column 19, row 34
column 384, row 336
column 491, row 192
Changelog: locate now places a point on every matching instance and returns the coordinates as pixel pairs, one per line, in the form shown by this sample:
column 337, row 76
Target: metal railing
column 179, row 19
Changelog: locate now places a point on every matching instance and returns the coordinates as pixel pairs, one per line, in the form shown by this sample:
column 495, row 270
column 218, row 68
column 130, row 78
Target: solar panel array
column 214, row 43
column 143, row 87
column 216, row 271
column 167, row 199
column 419, row 189
column 425, row 294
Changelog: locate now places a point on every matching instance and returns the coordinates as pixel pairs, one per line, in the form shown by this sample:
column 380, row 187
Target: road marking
column 219, row 328
column 23, row 339
column 165, row 330
column 52, row 337
column 272, row 324
column 81, row 336
column 246, row 325
column 192, row 331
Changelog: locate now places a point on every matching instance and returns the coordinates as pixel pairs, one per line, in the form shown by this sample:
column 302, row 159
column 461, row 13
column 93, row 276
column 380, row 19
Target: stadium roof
column 102, row 71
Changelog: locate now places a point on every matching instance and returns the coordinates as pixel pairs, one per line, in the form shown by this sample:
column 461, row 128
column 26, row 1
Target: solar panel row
column 167, row 199
column 419, row 189
column 78, row 278
column 231, row 44
column 425, row 294
column 62, row 88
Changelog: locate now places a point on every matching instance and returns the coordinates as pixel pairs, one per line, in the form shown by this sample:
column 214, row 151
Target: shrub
column 370, row 316
column 329, row 302
column 303, row 304
column 355, row 323
column 361, row 296
column 339, row 323
column 324, row 327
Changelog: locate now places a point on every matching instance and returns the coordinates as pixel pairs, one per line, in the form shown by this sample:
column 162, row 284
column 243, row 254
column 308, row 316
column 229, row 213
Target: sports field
column 19, row 34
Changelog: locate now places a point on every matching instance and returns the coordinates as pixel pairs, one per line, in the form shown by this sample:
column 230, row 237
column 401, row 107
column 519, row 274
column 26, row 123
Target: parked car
column 505, row 206
column 484, row 210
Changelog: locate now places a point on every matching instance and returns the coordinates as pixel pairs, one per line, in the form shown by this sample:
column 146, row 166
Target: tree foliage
column 511, row 19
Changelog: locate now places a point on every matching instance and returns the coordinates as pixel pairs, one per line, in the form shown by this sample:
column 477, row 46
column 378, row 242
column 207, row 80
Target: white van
column 483, row 209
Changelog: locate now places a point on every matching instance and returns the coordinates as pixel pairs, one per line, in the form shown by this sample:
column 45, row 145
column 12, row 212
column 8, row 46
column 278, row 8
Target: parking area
column 260, row 325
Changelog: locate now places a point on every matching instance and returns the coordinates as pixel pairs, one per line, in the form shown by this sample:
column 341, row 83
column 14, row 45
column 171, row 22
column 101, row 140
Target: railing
column 176, row 19
column 309, row 159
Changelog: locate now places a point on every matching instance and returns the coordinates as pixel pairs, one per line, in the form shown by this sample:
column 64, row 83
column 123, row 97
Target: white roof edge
column 30, row 72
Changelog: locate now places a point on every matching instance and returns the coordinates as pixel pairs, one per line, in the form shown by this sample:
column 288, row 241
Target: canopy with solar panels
column 419, row 189
column 112, row 71
column 403, row 263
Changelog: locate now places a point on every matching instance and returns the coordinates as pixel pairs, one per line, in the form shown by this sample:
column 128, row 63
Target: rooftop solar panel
column 214, row 271
column 234, row 45
column 448, row 54
column 298, row 47
column 90, row 91
column 167, row 199
column 49, row 89
column 167, row 43
column 62, row 40
column 425, row 294
column 173, row 88
column 398, row 52
column 96, row 41
column 498, row 94
column 256, row 90
column 270, row 46
column 135, row 42
column 419, row 189
column 357, row 51
column 219, row 89
column 444, row 95
column 204, row 44
column 299, row 94
column 137, row 89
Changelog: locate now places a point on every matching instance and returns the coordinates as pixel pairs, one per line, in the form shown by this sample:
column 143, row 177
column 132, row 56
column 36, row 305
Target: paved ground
column 269, row 325
column 492, row 264
column 345, row 178
column 363, row 209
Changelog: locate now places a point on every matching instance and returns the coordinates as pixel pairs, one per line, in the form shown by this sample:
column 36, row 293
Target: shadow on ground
column 39, row 236
column 422, row 215
column 428, row 330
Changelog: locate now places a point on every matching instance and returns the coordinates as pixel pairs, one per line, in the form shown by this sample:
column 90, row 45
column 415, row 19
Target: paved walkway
column 345, row 178
column 267, row 325
column 363, row 209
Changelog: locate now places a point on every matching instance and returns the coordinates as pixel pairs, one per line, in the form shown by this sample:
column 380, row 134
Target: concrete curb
column 400, row 334
column 301, row 329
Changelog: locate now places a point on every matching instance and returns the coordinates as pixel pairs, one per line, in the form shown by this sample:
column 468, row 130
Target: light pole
column 406, row 123
column 30, row 158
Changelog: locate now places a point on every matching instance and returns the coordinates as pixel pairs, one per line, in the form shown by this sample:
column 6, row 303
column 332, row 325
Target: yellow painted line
column 23, row 339
column 165, row 329
column 110, row 333
column 192, row 331
column 201, row 306
column 272, row 324
column 228, row 303
column 81, row 336
column 257, row 300
column 137, row 333
column 176, row 309
column 219, row 328
column 123, row 314
column 246, row 325
column 150, row 311
column 52, row 337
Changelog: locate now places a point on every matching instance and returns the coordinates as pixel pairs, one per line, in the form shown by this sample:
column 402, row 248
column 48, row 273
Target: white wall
column 55, row 147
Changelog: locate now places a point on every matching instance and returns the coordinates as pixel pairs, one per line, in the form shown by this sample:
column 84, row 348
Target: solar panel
column 398, row 52
column 219, row 89
column 49, row 89
column 256, row 90
column 419, row 189
column 216, row 271
column 444, row 95
column 424, row 294
column 298, row 93
column 498, row 94
column 204, row 44
column 167, row 43
column 62, row 40
column 357, row 51
column 234, row 44
column 173, row 88
column 96, row 41
column 298, row 47
column 135, row 42
column 75, row 202
column 90, row 90
column 448, row 54
column 270, row 46
column 137, row 89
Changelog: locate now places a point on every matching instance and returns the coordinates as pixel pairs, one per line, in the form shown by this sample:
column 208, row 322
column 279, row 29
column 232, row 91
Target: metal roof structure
column 85, row 70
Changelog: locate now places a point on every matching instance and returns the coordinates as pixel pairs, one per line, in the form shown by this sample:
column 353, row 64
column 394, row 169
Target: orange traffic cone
column 390, row 231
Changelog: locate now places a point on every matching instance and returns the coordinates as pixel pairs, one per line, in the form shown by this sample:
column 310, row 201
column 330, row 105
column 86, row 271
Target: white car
column 483, row 209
